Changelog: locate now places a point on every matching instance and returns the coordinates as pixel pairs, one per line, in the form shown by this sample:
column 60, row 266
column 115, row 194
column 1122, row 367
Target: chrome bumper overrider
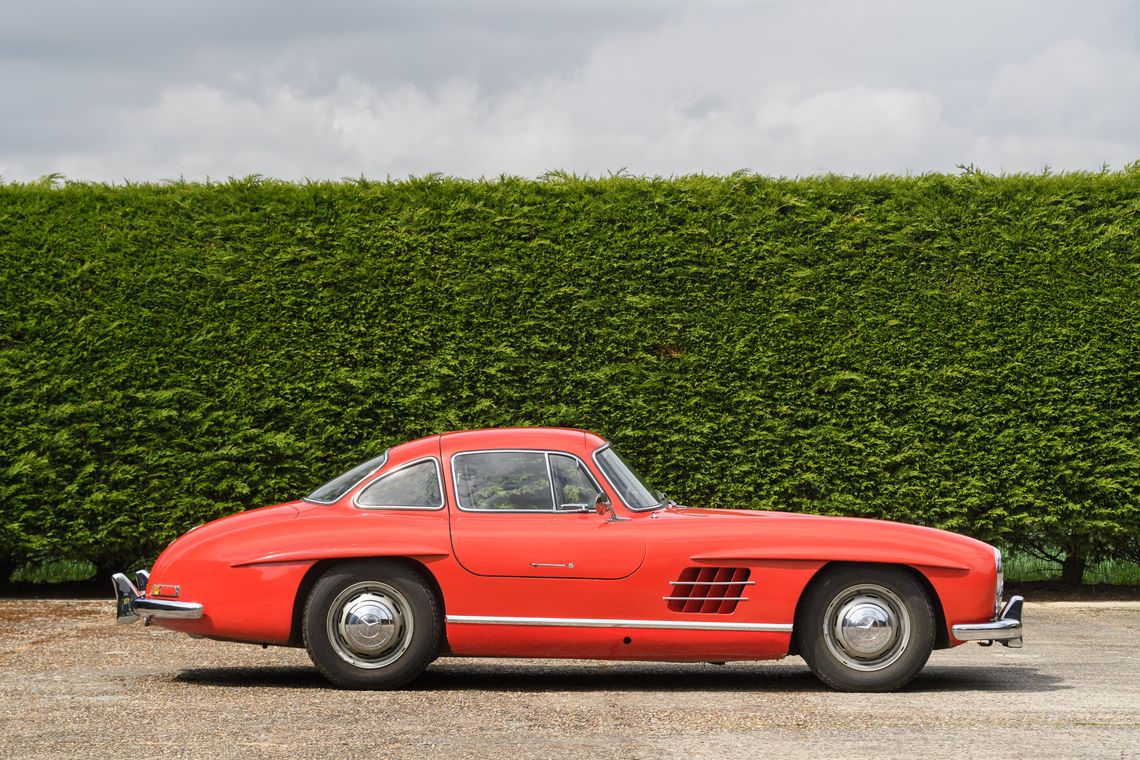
column 131, row 604
column 1005, row 629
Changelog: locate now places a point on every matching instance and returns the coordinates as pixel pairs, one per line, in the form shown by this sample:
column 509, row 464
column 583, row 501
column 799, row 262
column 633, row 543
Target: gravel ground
column 75, row 685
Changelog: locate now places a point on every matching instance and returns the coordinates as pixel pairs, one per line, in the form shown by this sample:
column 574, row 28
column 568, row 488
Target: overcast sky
column 152, row 90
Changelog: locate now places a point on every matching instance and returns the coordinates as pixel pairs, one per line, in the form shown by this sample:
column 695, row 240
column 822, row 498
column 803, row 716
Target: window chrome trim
column 624, row 500
column 549, row 473
column 677, row 625
column 438, row 477
column 589, row 475
column 375, row 470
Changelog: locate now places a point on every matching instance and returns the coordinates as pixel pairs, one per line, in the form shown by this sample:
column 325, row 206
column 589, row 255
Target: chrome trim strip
column 438, row 476
column 550, row 477
column 712, row 583
column 549, row 474
column 705, row 598
column 624, row 500
column 677, row 625
column 585, row 469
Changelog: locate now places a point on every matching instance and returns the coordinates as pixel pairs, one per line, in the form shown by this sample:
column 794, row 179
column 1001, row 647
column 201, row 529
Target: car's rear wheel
column 372, row 624
column 866, row 628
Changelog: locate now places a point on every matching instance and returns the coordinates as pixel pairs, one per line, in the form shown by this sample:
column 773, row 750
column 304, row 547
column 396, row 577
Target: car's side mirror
column 603, row 506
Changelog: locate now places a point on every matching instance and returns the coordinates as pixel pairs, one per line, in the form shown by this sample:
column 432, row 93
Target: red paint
column 247, row 569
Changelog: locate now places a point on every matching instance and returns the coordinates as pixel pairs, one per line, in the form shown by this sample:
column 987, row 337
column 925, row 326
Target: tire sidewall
column 426, row 632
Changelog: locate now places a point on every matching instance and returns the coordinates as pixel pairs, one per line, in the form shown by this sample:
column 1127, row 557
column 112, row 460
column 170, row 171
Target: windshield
column 342, row 484
column 630, row 487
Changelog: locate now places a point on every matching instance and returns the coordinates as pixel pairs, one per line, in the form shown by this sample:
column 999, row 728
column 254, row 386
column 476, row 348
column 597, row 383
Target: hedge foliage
column 960, row 351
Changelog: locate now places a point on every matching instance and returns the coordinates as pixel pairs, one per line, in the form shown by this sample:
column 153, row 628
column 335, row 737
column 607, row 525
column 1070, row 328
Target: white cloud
column 1069, row 88
column 858, row 129
column 853, row 87
column 201, row 131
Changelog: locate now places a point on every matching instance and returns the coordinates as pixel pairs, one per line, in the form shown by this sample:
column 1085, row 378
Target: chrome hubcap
column 867, row 627
column 370, row 624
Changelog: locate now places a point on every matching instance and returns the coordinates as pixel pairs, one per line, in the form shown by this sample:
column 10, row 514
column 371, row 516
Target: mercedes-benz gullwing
column 544, row 542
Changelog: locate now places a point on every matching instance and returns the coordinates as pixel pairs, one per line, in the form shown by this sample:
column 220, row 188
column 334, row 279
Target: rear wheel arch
column 373, row 622
column 320, row 567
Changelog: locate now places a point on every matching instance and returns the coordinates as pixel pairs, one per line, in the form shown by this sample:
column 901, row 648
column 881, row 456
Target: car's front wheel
column 372, row 624
column 866, row 628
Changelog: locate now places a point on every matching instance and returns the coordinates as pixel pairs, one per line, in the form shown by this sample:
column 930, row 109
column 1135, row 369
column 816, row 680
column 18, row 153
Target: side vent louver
column 714, row 590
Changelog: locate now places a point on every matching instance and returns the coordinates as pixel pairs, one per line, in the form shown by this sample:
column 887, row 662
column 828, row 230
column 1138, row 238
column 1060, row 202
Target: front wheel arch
column 865, row 627
column 941, row 633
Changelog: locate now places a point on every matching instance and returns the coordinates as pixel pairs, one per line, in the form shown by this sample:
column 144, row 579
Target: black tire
column 372, row 624
column 889, row 631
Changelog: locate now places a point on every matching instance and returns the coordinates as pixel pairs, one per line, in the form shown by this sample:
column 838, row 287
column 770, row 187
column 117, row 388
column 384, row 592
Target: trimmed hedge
column 959, row 351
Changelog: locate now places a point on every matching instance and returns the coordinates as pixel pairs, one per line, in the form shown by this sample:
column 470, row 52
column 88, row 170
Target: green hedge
column 960, row 351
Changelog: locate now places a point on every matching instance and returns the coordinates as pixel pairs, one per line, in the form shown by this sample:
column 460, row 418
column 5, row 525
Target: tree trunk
column 1073, row 568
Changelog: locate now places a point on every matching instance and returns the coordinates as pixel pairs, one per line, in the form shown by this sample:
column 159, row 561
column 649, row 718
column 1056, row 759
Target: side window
column 415, row 486
column 508, row 480
column 573, row 487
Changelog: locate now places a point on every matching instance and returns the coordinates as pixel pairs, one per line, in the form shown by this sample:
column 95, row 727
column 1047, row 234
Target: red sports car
column 541, row 542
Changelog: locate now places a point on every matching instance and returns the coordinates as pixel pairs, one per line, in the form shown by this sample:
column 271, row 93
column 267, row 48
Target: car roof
column 537, row 437
column 569, row 439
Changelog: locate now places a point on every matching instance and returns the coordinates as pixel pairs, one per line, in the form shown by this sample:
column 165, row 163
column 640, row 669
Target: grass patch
column 53, row 571
column 1022, row 568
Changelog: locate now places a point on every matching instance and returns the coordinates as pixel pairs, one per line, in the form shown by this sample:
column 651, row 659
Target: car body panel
column 546, row 546
column 558, row 584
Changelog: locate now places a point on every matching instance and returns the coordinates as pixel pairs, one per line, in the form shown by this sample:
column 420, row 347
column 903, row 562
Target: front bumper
column 1006, row 628
column 131, row 604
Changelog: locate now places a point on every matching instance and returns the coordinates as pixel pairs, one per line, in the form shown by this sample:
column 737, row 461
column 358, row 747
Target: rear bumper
column 1006, row 628
column 132, row 604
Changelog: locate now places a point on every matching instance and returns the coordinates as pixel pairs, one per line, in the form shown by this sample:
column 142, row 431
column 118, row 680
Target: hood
column 761, row 535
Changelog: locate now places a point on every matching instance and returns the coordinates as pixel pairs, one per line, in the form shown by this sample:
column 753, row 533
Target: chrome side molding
column 677, row 625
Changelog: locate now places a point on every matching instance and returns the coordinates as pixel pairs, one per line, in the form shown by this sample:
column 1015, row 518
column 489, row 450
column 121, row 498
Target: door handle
column 568, row 565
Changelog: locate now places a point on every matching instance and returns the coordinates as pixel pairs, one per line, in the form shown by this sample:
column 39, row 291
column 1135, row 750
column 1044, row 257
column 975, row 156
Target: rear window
column 413, row 486
column 342, row 484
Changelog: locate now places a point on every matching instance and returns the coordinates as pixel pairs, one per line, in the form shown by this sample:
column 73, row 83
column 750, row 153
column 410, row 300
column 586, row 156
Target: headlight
column 999, row 581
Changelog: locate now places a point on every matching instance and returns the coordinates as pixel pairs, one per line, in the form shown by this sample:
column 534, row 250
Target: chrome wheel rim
column 370, row 624
column 867, row 627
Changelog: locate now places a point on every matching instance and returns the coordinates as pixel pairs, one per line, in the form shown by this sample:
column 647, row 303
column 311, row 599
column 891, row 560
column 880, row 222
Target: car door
column 529, row 514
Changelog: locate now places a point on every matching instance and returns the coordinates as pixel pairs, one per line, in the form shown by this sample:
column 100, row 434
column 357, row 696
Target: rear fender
column 319, row 568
